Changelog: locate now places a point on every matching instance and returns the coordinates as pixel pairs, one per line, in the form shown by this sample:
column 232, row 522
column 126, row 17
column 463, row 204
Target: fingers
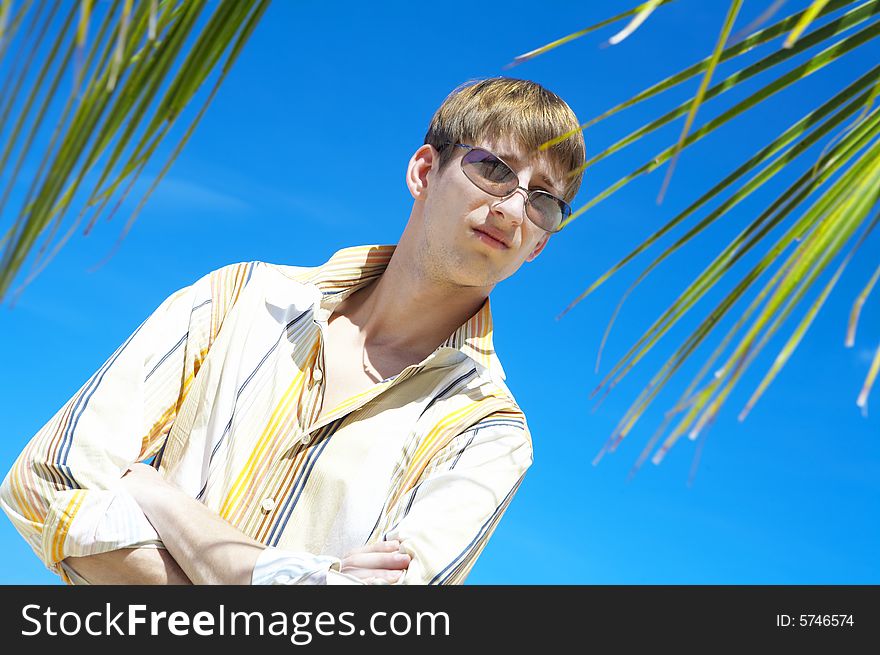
column 381, row 562
column 388, row 560
column 379, row 555
column 379, row 547
column 371, row 576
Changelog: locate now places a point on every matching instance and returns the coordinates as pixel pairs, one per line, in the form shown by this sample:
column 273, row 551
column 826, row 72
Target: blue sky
column 304, row 152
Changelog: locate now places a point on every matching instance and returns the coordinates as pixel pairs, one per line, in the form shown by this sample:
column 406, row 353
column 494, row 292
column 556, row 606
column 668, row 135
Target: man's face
column 457, row 215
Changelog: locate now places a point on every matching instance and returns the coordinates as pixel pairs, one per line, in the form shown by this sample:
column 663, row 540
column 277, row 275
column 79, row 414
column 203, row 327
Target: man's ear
column 420, row 164
column 539, row 247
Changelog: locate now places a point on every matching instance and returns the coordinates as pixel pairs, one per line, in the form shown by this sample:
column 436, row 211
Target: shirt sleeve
column 63, row 492
column 276, row 566
column 446, row 520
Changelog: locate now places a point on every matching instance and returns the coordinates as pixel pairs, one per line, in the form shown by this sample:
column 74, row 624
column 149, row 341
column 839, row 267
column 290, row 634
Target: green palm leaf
column 641, row 12
column 852, row 17
column 869, row 382
column 808, row 17
column 825, row 211
column 701, row 92
column 744, row 191
column 814, row 64
column 857, row 308
column 134, row 80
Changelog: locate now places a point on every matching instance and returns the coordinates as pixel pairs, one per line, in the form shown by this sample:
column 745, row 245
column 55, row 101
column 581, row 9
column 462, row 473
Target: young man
column 341, row 424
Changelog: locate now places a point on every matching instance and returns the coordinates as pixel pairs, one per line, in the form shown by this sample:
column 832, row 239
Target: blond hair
column 503, row 107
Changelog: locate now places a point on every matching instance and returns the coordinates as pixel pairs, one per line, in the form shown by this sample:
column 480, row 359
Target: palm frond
column 862, row 400
column 133, row 82
column 809, row 16
column 701, row 92
column 765, row 16
column 798, row 334
column 531, row 54
column 854, row 16
column 798, row 129
column 643, row 12
column 841, row 185
column 827, row 56
column 857, row 309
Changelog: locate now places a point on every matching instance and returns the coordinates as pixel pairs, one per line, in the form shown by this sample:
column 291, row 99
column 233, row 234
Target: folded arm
column 211, row 551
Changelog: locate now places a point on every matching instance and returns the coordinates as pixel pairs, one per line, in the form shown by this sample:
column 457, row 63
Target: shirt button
column 306, row 439
column 268, row 504
column 317, row 375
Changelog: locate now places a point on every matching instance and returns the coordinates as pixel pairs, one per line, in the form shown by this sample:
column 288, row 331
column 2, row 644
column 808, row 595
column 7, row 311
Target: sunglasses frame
column 566, row 208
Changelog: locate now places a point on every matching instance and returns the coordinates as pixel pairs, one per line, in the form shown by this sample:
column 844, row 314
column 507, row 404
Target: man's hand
column 379, row 563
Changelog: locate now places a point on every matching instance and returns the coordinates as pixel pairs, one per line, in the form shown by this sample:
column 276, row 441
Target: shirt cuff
column 83, row 522
column 276, row 566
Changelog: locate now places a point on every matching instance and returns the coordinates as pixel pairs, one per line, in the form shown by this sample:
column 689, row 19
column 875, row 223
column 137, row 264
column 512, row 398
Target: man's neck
column 404, row 312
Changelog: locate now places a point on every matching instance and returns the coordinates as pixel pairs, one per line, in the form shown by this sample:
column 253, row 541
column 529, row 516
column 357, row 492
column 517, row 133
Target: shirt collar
column 351, row 268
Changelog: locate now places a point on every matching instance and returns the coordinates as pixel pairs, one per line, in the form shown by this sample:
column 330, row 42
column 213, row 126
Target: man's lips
column 495, row 238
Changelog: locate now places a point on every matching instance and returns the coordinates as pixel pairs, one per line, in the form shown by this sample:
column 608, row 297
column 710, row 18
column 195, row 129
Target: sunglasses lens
column 547, row 211
column 488, row 172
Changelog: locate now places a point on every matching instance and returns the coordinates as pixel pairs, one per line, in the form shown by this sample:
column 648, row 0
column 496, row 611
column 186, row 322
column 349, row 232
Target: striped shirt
column 221, row 387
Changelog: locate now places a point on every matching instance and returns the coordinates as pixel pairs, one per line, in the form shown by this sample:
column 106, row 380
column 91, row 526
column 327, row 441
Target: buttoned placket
column 272, row 497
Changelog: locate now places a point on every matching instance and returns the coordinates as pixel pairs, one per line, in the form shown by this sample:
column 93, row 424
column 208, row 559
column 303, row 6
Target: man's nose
column 514, row 205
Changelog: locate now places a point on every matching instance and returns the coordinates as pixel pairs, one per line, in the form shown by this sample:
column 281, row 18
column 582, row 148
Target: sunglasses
column 491, row 174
